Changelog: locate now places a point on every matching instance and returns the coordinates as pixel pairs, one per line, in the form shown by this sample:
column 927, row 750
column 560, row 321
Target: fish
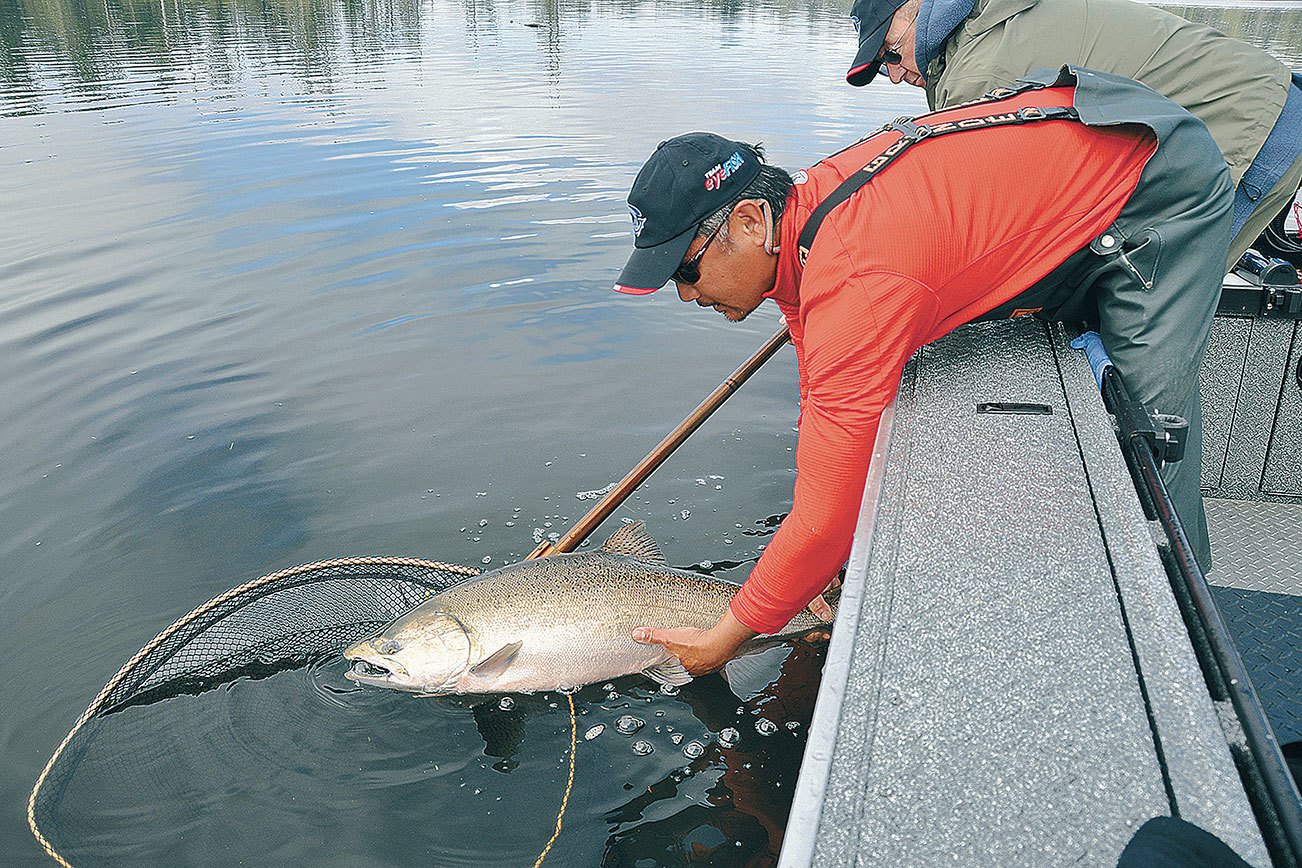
column 554, row 623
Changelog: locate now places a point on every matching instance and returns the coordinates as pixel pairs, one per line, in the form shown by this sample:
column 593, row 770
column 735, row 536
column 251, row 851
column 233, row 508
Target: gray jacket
column 1236, row 89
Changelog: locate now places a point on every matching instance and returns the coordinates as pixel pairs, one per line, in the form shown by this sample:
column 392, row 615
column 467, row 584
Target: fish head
column 423, row 652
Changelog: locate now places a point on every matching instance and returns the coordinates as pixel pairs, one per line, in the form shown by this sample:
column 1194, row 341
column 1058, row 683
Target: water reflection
column 95, row 46
column 1278, row 30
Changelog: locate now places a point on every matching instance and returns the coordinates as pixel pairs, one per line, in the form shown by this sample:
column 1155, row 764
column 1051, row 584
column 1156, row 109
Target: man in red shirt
column 1083, row 197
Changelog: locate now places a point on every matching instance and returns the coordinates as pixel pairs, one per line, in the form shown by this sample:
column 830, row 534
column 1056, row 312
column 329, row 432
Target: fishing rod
column 611, row 501
column 1146, row 440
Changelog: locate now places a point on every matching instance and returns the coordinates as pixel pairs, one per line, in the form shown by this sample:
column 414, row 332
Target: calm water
column 287, row 281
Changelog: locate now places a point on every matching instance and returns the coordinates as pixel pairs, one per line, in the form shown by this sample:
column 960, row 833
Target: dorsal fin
column 497, row 662
column 633, row 540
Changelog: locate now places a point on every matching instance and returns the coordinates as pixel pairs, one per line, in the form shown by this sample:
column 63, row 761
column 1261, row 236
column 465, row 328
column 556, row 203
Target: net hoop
column 97, row 705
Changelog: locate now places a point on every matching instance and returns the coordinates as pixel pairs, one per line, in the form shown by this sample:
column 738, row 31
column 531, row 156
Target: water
column 287, row 281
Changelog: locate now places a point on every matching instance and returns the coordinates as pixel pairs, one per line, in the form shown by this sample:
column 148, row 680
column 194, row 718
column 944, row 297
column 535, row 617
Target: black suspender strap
column 911, row 133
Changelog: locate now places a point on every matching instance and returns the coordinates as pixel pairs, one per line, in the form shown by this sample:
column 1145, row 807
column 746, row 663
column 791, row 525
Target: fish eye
column 388, row 646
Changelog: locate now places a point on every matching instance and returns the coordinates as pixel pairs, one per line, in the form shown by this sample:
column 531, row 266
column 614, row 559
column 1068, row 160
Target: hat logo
column 720, row 173
column 854, row 19
column 639, row 222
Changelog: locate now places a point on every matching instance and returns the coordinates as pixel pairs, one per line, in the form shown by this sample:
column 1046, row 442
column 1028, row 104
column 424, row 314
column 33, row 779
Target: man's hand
column 818, row 606
column 700, row 651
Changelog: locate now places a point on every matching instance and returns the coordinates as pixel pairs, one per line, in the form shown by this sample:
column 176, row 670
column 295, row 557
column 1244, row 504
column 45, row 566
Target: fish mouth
column 368, row 667
column 365, row 670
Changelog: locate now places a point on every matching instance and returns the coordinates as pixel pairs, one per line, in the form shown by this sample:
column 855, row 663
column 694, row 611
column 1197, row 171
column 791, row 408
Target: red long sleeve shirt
column 956, row 226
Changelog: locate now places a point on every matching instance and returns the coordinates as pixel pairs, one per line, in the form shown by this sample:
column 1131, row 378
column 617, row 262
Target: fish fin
column 633, row 540
column 750, row 674
column 497, row 662
column 669, row 672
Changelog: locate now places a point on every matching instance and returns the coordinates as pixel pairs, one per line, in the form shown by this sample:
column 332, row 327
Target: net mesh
column 280, row 621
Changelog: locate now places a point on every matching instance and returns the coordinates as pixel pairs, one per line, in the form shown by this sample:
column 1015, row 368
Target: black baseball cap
column 687, row 179
column 871, row 19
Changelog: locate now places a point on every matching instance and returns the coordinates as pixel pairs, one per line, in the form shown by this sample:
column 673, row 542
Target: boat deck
column 1010, row 681
column 1256, row 578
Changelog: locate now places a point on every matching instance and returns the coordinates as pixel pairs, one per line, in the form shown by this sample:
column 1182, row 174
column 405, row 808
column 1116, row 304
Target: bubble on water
column 669, row 689
column 595, row 731
column 764, row 726
column 607, row 686
column 567, row 690
column 506, row 703
column 596, row 493
column 483, row 522
column 693, row 749
column 718, row 488
column 685, row 514
column 537, row 534
column 676, row 738
column 727, row 541
column 487, row 560
column 510, row 524
column 793, row 725
column 729, row 737
column 628, row 724
column 642, row 748
column 705, row 565
column 700, row 482
column 612, row 696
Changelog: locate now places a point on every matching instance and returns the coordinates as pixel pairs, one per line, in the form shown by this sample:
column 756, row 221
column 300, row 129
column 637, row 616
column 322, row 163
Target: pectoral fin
column 669, row 672
column 750, row 674
column 497, row 662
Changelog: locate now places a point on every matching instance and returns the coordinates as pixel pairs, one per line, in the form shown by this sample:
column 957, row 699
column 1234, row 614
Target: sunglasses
column 690, row 270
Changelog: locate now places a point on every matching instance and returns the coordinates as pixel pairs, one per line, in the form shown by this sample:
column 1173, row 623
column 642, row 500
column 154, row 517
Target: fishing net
column 278, row 622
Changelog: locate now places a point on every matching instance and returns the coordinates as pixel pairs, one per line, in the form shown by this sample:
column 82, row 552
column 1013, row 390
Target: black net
column 283, row 621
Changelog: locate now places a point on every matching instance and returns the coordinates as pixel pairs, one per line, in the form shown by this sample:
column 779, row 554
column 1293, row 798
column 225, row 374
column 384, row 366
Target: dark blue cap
column 871, row 18
column 687, row 179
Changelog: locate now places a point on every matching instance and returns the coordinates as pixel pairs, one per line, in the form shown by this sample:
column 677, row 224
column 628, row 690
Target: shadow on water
column 745, row 814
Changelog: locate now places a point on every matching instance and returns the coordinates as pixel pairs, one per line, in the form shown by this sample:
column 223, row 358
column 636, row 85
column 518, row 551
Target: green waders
column 1150, row 285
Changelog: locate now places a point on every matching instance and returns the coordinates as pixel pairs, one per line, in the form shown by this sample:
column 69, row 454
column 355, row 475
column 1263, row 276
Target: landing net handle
column 657, row 456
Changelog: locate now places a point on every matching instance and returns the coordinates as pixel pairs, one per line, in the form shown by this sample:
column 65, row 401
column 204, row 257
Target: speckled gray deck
column 983, row 701
column 1257, row 581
